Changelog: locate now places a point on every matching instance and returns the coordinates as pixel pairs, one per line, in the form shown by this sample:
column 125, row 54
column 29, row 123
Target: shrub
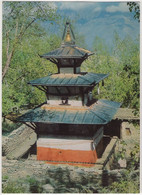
column 35, row 186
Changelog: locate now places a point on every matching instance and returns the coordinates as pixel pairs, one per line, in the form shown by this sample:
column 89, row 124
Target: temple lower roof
column 87, row 79
column 101, row 112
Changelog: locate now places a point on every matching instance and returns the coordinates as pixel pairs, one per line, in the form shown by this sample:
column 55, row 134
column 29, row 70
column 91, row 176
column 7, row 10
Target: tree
column 23, row 39
column 18, row 18
column 100, row 46
column 127, row 52
column 27, row 65
column 123, row 66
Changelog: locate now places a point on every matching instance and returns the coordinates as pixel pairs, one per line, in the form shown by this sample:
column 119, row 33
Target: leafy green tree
column 127, row 53
column 122, row 85
column 100, row 46
column 21, row 62
column 18, row 19
column 27, row 65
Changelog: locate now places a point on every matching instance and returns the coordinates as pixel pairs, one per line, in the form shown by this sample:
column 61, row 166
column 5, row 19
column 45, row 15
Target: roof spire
column 68, row 37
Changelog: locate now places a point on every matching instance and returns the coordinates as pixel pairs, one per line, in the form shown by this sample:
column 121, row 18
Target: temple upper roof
column 68, row 48
column 66, row 51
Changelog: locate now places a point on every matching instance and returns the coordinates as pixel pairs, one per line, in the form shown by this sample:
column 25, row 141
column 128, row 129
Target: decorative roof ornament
column 68, row 49
column 68, row 37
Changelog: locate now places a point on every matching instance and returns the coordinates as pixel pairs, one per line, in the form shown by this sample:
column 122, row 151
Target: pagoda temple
column 70, row 124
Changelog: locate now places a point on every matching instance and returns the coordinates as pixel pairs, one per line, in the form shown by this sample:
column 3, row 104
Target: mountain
column 91, row 19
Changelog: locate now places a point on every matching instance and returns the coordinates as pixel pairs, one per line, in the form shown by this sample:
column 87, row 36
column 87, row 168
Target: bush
column 35, row 186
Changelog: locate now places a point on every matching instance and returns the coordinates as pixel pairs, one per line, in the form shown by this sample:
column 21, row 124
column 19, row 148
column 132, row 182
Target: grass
column 11, row 187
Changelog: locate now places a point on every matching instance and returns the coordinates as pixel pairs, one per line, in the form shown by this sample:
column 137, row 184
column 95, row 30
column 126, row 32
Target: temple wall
column 69, row 70
column 71, row 96
column 70, row 102
column 70, row 148
column 67, row 129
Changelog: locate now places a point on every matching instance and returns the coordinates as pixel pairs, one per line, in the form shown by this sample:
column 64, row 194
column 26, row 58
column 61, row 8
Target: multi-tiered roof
column 69, row 92
column 68, row 55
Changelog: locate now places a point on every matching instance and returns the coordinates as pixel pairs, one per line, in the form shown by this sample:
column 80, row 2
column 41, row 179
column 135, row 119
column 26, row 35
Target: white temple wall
column 71, row 142
column 66, row 70
column 69, row 70
column 72, row 100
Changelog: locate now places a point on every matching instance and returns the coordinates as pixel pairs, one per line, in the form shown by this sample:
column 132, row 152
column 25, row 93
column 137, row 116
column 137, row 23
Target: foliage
column 122, row 151
column 8, row 127
column 11, row 187
column 126, row 185
column 35, row 186
column 19, row 20
column 129, row 182
column 21, row 62
column 123, row 65
column 5, row 177
column 17, row 186
column 135, row 7
column 134, row 161
column 27, row 65
column 100, row 46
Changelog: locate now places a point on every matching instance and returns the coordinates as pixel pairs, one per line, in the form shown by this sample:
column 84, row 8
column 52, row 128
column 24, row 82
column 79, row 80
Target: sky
column 101, row 19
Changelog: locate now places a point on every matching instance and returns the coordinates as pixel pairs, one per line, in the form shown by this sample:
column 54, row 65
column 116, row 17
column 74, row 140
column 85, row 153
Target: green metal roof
column 101, row 112
column 67, row 52
column 69, row 80
column 68, row 48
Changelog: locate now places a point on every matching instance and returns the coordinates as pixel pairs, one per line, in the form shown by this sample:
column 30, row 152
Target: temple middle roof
column 87, row 79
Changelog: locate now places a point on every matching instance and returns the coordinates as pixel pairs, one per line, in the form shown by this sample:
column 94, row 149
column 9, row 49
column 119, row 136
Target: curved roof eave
column 100, row 113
